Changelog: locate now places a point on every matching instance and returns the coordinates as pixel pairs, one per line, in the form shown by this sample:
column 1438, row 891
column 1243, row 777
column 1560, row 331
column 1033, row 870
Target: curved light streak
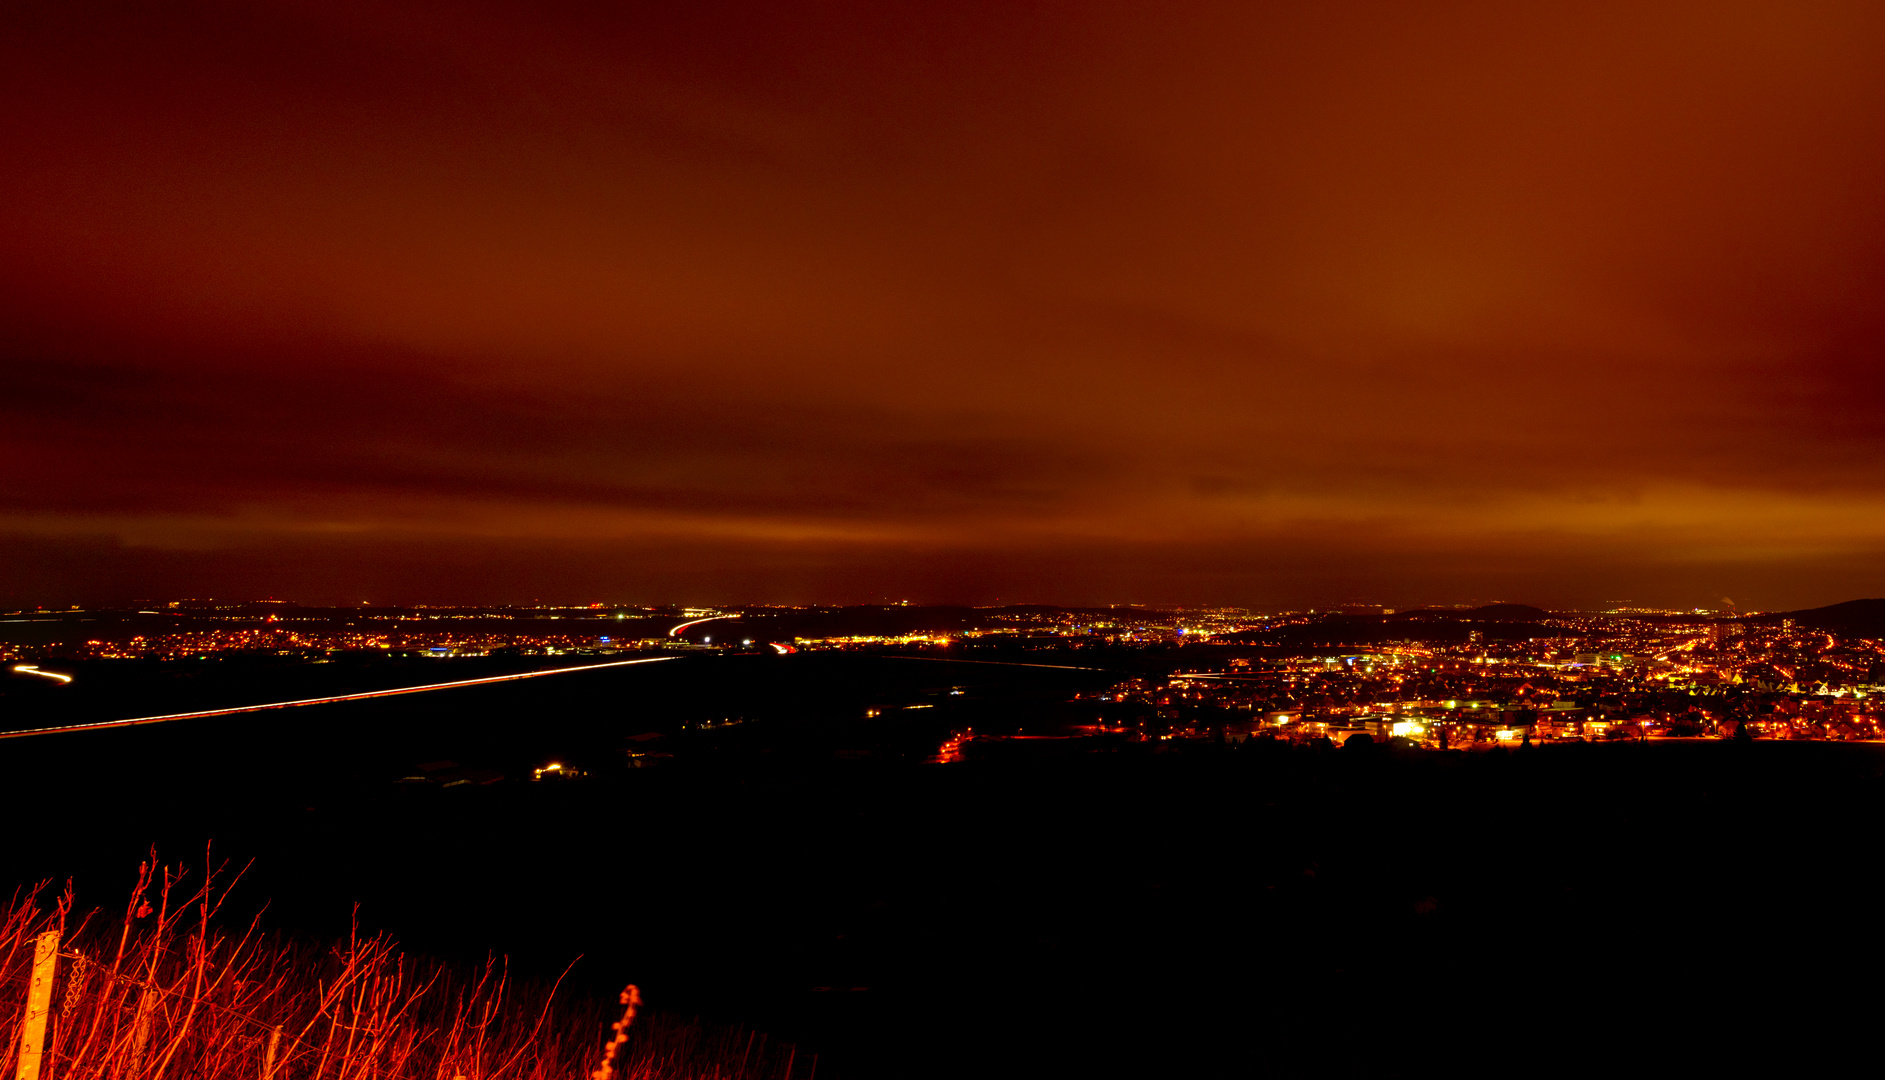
column 136, row 721
column 32, row 669
column 676, row 632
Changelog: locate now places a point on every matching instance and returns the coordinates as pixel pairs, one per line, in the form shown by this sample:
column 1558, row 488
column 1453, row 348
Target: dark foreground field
column 1226, row 911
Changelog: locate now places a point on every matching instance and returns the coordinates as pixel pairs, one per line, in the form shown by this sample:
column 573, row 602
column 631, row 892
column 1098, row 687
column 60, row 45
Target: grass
column 166, row 992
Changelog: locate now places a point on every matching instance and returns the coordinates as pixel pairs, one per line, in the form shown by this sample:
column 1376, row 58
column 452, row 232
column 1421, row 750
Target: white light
column 29, row 669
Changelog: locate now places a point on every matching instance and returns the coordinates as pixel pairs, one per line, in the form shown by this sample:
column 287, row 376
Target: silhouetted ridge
column 1860, row 618
column 1487, row 613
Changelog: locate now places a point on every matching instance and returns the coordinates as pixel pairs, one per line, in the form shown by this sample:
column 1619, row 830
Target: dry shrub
column 166, row 993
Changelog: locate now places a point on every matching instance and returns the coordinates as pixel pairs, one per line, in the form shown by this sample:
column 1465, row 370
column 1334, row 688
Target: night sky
column 1256, row 304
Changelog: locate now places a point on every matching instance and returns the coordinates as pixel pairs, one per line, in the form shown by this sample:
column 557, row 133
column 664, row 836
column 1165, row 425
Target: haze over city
column 1274, row 305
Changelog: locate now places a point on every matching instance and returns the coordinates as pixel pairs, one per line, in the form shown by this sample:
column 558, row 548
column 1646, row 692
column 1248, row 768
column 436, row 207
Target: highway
column 676, row 631
column 201, row 713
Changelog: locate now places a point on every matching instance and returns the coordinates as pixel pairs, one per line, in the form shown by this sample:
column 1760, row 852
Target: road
column 167, row 717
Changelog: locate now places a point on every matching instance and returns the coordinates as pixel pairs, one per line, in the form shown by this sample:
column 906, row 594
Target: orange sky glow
column 1221, row 303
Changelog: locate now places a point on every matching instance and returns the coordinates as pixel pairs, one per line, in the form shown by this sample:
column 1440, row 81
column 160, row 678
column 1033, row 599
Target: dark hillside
column 1195, row 910
column 1854, row 618
column 1487, row 613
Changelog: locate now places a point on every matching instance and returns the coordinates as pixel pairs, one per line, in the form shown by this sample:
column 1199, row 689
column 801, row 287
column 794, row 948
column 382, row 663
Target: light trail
column 136, row 721
column 677, row 630
column 32, row 669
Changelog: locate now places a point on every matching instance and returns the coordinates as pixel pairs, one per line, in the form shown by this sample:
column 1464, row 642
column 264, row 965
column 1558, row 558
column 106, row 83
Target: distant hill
column 1857, row 618
column 1440, row 626
column 1488, row 613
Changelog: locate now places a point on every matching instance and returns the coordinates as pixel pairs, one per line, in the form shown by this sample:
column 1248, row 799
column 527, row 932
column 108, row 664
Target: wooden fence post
column 38, row 1004
column 141, row 1028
